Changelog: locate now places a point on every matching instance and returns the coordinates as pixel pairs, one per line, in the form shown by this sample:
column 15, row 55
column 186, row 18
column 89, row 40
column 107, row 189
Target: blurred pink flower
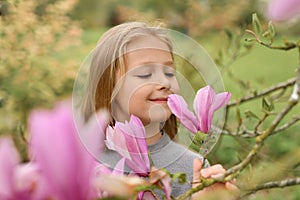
column 18, row 181
column 281, row 10
column 122, row 186
column 55, row 147
column 206, row 102
column 146, row 195
column 129, row 140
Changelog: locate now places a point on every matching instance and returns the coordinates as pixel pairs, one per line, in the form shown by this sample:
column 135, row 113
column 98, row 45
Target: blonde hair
column 108, row 58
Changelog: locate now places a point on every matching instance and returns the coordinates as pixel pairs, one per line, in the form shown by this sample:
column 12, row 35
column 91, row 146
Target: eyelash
column 144, row 76
column 170, row 74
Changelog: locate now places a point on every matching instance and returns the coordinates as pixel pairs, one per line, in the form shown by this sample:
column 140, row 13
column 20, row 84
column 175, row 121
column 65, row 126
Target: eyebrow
column 167, row 63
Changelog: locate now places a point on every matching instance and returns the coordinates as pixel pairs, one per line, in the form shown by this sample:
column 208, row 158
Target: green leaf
column 248, row 43
column 267, row 105
column 250, row 114
column 256, row 25
column 271, row 29
column 180, row 176
column 229, row 34
column 238, row 116
column 199, row 138
column 266, row 34
column 150, row 159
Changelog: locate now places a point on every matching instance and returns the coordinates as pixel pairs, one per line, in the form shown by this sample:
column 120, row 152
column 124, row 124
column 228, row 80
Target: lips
column 159, row 100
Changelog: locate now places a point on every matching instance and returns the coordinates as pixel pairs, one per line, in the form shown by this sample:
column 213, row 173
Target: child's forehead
column 148, row 56
column 147, row 42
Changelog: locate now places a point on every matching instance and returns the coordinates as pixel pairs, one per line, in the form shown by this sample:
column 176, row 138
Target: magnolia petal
column 119, row 168
column 179, row 108
column 203, row 103
column 29, row 182
column 281, row 10
column 146, row 195
column 116, row 141
column 9, row 159
column 137, row 127
column 221, row 100
column 93, row 132
column 136, row 147
column 116, row 185
column 166, row 181
column 120, row 141
column 109, row 138
column 101, row 169
column 26, row 176
column 53, row 144
column 162, row 179
column 139, row 133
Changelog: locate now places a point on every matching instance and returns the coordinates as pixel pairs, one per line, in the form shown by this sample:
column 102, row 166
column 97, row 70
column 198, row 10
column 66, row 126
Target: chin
column 154, row 119
column 160, row 117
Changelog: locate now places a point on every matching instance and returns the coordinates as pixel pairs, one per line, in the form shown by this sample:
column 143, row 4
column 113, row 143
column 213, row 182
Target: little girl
column 132, row 72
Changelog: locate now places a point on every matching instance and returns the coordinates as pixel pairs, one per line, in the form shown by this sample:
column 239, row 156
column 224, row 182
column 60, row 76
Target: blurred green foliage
column 195, row 17
column 30, row 74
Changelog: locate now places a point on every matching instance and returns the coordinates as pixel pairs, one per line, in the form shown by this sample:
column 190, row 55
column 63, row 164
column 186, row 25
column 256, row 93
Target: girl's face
column 149, row 79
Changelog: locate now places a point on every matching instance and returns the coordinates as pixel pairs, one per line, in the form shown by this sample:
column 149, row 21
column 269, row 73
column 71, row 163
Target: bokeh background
column 43, row 44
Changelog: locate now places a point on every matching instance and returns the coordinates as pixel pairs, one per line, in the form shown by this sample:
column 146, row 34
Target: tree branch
column 250, row 134
column 234, row 171
column 260, row 122
column 288, row 45
column 281, row 85
column 287, row 125
column 275, row 184
column 204, row 183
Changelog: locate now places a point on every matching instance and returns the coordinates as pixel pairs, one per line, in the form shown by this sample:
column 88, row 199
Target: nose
column 163, row 82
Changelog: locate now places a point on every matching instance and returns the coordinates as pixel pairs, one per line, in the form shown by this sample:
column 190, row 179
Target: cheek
column 174, row 86
column 127, row 88
column 139, row 95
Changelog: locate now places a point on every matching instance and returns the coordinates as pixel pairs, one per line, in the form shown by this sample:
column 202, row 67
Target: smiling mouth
column 159, row 100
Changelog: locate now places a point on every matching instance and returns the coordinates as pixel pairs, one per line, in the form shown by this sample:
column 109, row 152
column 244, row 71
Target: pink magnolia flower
column 162, row 179
column 281, row 10
column 19, row 181
column 55, row 147
column 129, row 140
column 206, row 102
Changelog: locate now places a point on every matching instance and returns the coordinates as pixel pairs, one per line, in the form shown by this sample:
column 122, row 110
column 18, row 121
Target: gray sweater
column 169, row 155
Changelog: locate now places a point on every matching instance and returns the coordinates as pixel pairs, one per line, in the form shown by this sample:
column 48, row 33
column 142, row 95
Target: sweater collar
column 163, row 141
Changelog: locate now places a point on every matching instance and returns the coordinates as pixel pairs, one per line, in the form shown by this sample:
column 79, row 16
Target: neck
column 153, row 133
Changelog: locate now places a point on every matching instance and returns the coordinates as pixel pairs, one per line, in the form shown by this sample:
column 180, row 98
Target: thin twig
column 267, row 91
column 288, row 45
column 250, row 134
column 232, row 172
column 287, row 125
column 277, row 96
column 204, row 183
column 275, row 184
column 260, row 122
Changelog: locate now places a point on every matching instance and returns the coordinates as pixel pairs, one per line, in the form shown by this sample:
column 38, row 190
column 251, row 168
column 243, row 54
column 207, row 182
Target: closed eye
column 170, row 74
column 144, row 76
